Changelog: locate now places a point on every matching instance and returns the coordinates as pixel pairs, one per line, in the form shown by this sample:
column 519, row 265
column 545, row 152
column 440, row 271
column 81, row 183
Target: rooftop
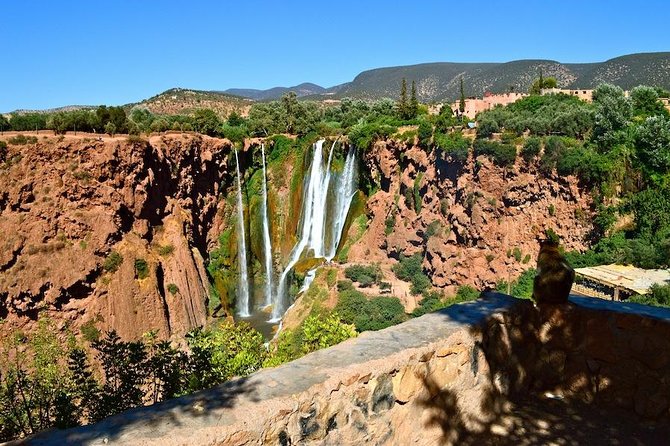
column 627, row 277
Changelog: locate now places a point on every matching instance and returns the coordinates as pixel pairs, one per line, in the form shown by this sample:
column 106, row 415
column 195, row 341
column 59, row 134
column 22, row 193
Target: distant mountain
column 436, row 82
column 441, row 81
column 304, row 89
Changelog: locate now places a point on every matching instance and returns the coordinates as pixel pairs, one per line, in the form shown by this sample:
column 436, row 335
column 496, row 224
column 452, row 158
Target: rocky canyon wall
column 110, row 233
column 474, row 222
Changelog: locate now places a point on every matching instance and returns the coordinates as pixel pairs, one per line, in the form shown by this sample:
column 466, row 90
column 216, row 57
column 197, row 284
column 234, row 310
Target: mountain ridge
column 440, row 81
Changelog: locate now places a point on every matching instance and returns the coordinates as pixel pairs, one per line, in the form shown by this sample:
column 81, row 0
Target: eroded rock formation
column 67, row 204
column 477, row 223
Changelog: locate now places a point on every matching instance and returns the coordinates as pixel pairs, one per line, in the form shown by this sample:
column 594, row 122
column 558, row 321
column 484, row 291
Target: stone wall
column 611, row 354
column 446, row 377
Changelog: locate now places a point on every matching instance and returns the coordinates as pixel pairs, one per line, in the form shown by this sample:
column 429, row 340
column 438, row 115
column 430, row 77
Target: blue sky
column 87, row 52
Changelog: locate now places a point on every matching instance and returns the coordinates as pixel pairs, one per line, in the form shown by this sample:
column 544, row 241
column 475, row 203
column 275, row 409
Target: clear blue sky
column 88, row 52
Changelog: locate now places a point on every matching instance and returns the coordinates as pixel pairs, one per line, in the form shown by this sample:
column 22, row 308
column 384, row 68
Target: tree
column 206, row 122
column 4, row 123
column 613, row 112
column 461, row 104
column 289, row 102
column 234, row 119
column 652, row 141
column 110, row 128
column 86, row 392
column 403, row 105
column 413, row 102
column 124, row 368
column 542, row 83
column 645, row 102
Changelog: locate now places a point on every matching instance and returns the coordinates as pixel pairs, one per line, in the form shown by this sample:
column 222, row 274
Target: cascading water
column 267, row 244
column 346, row 189
column 243, row 276
column 315, row 215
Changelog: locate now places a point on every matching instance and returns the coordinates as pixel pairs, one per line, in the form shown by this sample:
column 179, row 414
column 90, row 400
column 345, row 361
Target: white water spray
column 267, row 244
column 313, row 238
column 243, row 276
column 346, row 189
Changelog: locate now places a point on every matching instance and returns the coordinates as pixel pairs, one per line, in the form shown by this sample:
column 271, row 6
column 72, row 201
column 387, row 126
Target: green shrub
column 433, row 229
column 345, row 285
column 366, row 275
column 531, row 148
column 502, row 155
column 3, row 151
column 417, row 192
column 165, row 250
column 425, row 134
column 21, row 140
column 659, row 296
column 389, row 224
column 522, row 287
column 454, row 145
column 141, row 268
column 431, row 302
column 89, row 331
column 112, row 262
column 363, row 135
column 374, row 314
column 351, row 304
column 322, row 332
column 409, row 269
column 466, row 293
column 172, row 288
column 517, row 254
column 487, row 126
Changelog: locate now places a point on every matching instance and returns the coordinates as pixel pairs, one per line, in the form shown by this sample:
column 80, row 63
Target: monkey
column 554, row 276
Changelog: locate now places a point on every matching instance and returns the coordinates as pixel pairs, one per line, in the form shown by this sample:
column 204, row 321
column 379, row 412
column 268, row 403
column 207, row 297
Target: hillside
column 304, row 89
column 441, row 81
column 185, row 101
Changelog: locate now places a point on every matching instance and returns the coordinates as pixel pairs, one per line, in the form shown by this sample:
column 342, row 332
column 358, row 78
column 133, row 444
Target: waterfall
column 346, row 189
column 243, row 276
column 267, row 244
column 314, row 218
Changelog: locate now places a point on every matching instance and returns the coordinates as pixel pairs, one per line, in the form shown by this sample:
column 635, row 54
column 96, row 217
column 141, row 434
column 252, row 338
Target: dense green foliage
column 409, row 269
column 353, row 307
column 521, row 287
column 365, row 275
column 45, row 384
column 502, row 154
column 315, row 332
column 659, row 296
column 558, row 114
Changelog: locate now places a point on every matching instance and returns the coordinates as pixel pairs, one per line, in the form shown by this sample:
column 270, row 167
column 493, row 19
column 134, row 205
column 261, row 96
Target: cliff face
column 476, row 223
column 66, row 205
column 72, row 208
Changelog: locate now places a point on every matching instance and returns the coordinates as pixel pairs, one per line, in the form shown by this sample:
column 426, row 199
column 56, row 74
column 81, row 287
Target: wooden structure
column 617, row 282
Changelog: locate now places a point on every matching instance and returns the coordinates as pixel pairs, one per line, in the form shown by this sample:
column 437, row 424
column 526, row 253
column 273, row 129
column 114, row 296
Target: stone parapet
column 442, row 378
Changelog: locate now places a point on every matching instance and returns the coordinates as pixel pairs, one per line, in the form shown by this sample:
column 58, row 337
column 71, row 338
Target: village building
column 617, row 282
column 583, row 94
column 473, row 106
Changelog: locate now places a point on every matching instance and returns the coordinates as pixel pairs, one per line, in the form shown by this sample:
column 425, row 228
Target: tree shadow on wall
column 194, row 411
column 532, row 421
column 544, row 382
